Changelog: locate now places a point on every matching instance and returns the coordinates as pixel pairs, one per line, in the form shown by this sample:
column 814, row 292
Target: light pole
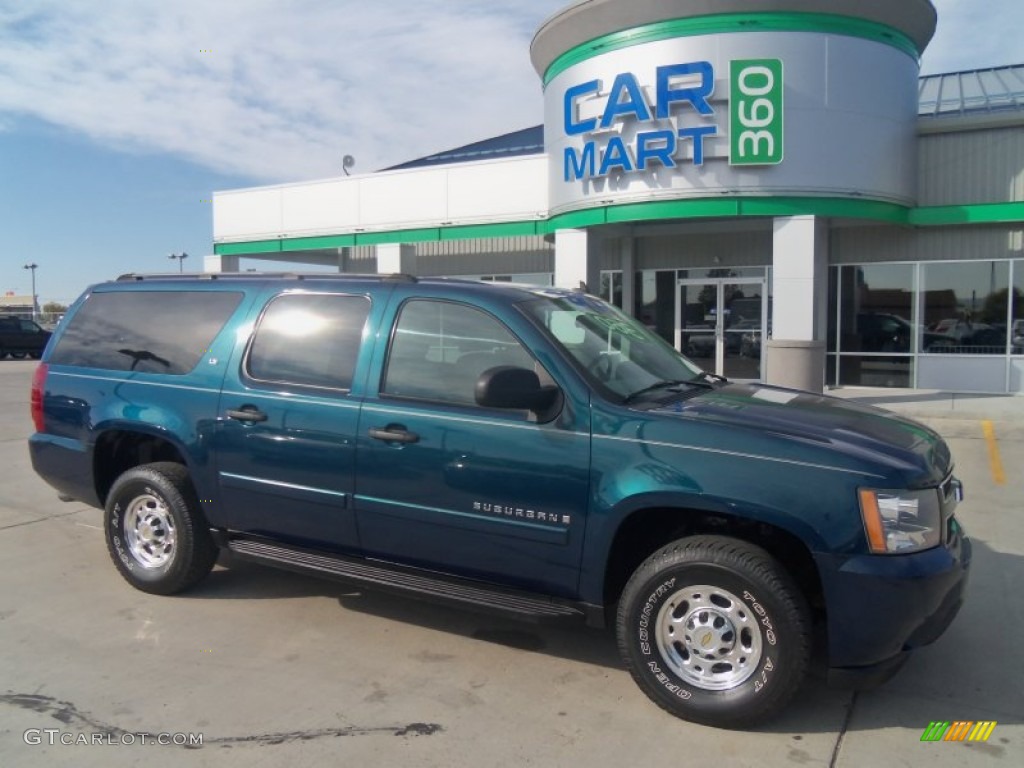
column 33, row 266
column 180, row 258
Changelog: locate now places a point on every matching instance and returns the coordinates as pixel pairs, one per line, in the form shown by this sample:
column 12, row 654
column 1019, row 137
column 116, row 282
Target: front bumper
column 879, row 607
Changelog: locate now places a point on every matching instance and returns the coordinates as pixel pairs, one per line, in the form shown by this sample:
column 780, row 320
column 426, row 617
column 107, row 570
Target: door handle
column 392, row 434
column 247, row 413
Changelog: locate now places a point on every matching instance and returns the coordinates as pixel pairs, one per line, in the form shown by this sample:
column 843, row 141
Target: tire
column 731, row 592
column 156, row 532
column 35, row 355
column 18, row 355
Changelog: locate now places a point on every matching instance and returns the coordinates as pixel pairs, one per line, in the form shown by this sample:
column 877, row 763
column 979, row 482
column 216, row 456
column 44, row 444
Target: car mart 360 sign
column 625, row 130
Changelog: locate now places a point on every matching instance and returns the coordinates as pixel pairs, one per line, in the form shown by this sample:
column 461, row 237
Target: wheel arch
column 117, row 449
column 646, row 527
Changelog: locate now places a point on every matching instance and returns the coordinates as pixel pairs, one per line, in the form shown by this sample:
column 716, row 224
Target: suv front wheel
column 714, row 631
column 156, row 532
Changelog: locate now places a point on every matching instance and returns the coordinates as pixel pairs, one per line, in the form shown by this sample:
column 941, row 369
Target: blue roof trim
column 529, row 141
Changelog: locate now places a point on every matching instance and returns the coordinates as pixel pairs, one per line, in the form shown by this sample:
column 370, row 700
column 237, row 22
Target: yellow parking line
column 994, row 459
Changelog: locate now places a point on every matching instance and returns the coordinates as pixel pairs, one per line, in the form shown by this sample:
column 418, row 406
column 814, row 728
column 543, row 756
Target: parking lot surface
column 270, row 668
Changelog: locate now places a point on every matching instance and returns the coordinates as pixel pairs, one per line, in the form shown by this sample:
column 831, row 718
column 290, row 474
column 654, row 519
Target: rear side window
column 145, row 331
column 309, row 340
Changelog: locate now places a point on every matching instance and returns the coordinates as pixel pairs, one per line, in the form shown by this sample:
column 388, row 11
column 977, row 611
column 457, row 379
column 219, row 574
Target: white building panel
column 320, row 207
column 504, row 190
column 491, row 191
column 403, row 199
column 248, row 214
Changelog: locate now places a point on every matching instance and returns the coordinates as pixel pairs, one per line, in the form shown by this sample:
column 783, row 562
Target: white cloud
column 273, row 89
column 289, row 87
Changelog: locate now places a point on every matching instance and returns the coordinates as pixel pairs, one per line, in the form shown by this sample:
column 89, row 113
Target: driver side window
column 439, row 349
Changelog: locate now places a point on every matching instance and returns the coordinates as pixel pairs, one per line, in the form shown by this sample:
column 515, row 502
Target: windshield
column 614, row 349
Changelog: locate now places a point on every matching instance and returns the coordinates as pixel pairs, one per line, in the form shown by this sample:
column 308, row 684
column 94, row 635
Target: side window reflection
column 439, row 350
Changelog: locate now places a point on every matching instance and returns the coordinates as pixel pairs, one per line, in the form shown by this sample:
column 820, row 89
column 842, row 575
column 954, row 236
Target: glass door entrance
column 720, row 325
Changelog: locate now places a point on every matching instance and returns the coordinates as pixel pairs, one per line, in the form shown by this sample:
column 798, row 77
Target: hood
column 861, row 432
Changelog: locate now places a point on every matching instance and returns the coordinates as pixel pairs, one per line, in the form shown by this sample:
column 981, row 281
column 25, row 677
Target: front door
column 445, row 484
column 720, row 324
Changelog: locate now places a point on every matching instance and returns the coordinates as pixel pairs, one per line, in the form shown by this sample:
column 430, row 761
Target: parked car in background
column 972, row 339
column 886, row 332
column 21, row 337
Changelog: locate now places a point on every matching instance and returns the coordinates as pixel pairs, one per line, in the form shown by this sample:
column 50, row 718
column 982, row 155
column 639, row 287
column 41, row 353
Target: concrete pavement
column 277, row 669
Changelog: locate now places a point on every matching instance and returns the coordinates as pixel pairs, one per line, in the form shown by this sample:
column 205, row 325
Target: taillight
column 38, row 382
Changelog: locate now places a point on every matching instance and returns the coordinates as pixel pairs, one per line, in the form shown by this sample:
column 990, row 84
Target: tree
column 994, row 309
column 54, row 308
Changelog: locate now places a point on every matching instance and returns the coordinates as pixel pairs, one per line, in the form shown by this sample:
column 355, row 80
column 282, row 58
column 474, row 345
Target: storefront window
column 966, row 307
column 717, row 272
column 875, row 371
column 871, row 310
column 1017, row 310
column 833, row 319
column 876, row 308
column 611, row 287
column 654, row 302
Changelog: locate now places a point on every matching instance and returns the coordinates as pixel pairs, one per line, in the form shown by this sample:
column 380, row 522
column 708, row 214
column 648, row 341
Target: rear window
column 146, row 331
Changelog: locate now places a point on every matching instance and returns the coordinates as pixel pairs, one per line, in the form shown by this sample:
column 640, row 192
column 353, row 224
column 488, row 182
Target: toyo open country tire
column 714, row 631
column 156, row 532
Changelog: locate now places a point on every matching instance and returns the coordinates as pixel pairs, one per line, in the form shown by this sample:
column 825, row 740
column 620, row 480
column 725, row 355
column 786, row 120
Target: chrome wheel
column 149, row 531
column 709, row 637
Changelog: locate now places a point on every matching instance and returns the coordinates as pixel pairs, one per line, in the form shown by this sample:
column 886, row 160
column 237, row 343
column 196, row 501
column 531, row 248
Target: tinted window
column 309, row 339
column 440, row 349
column 876, row 308
column 966, row 307
column 145, row 331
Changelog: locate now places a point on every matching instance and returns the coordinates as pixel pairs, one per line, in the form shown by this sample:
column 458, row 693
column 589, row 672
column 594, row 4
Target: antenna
column 347, row 162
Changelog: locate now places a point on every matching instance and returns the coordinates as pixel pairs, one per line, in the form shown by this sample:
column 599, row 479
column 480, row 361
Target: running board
column 408, row 581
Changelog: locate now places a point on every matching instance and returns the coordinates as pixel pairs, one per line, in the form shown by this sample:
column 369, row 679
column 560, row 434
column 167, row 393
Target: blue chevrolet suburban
column 527, row 451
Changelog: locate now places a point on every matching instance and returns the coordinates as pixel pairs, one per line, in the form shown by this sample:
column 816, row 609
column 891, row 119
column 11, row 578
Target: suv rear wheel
column 156, row 532
column 714, row 631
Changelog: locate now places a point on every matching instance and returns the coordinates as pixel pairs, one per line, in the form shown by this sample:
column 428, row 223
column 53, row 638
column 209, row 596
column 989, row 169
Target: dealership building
column 770, row 185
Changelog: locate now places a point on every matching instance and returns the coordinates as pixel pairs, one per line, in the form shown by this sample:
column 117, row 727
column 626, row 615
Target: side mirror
column 506, row 386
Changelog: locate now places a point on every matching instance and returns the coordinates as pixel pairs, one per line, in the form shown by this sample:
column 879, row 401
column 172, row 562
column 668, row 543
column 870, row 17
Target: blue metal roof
column 973, row 92
column 529, row 141
column 977, row 91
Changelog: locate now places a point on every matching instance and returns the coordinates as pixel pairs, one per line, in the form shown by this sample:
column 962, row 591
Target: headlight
column 898, row 522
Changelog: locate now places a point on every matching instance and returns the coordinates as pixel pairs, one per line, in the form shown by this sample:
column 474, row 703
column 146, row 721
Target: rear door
column 287, row 420
column 447, row 485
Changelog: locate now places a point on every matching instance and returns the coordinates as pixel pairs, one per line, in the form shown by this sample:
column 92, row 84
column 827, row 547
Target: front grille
column 950, row 494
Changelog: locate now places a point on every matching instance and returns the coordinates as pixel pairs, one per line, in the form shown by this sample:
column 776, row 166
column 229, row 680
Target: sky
column 118, row 119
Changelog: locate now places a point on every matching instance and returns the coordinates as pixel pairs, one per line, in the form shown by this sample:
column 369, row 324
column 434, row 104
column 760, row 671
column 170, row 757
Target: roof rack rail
column 198, row 276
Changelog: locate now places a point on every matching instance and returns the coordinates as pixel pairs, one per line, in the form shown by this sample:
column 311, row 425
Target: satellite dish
column 347, row 162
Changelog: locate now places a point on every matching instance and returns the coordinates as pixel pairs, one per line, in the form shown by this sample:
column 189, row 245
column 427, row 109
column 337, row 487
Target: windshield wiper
column 667, row 384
